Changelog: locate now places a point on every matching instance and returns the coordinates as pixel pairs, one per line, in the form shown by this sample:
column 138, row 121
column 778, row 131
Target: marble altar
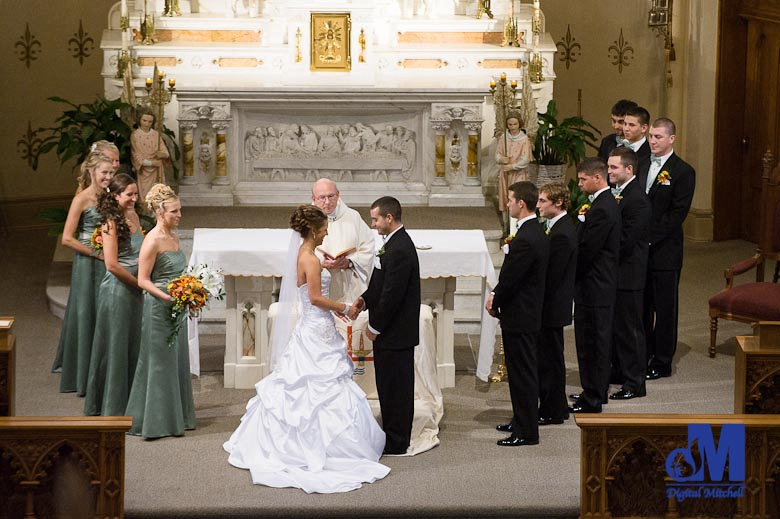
column 410, row 78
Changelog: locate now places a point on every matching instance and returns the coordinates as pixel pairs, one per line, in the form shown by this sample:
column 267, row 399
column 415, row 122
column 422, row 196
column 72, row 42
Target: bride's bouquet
column 191, row 292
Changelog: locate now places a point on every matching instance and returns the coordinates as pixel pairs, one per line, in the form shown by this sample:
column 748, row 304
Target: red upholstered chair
column 759, row 301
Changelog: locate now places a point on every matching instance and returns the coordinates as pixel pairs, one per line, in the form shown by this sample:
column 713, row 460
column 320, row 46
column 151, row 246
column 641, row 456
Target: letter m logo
column 731, row 448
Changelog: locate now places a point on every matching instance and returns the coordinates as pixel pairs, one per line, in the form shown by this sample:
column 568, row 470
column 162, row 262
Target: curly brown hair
column 307, row 218
column 109, row 208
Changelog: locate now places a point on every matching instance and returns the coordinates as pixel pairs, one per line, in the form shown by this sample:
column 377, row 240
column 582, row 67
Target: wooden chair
column 758, row 301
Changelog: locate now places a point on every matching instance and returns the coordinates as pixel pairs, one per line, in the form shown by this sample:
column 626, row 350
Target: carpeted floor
column 466, row 476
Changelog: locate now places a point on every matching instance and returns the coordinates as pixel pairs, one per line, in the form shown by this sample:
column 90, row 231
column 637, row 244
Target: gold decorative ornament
column 147, row 27
column 500, row 374
column 330, row 42
column 483, row 7
column 157, row 96
column 171, row 8
column 298, row 36
column 362, row 42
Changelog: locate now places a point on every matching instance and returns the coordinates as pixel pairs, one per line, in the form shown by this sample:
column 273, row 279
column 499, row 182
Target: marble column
column 187, row 129
column 220, row 177
column 440, row 141
column 472, row 167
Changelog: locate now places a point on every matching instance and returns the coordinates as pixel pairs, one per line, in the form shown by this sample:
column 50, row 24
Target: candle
column 172, row 82
column 536, row 4
column 503, row 77
column 148, row 82
column 124, row 8
column 514, row 83
column 492, row 83
column 160, row 74
column 124, row 40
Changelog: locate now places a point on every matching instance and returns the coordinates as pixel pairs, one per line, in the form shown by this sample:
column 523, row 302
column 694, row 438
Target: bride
column 310, row 425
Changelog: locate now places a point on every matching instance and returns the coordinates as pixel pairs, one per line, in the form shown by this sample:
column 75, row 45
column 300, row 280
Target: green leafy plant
column 577, row 198
column 562, row 142
column 81, row 125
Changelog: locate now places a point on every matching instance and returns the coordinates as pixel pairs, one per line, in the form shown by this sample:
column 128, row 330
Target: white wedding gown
column 310, row 425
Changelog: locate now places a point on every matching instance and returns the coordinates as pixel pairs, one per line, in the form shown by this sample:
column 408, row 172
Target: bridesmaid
column 78, row 325
column 120, row 303
column 161, row 402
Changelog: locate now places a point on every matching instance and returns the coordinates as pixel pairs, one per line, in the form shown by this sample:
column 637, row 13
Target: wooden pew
column 757, row 370
column 623, row 470
column 50, row 465
column 7, row 367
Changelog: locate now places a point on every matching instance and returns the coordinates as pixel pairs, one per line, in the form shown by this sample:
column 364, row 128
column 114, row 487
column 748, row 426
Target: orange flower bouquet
column 191, row 292
column 96, row 240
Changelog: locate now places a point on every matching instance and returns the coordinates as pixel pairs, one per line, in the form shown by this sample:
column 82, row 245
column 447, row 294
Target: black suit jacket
column 635, row 212
column 561, row 268
column 608, row 144
column 393, row 294
column 519, row 295
column 670, row 207
column 598, row 247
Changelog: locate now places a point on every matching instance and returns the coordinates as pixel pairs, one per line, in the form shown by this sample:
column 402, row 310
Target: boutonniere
column 582, row 212
column 547, row 231
column 380, row 251
column 618, row 198
column 507, row 241
column 663, row 178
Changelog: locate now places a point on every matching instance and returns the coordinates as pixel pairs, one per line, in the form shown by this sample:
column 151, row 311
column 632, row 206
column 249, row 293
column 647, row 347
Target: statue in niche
column 455, row 154
column 271, row 141
column 351, row 142
column 367, row 137
column 309, row 142
column 204, row 155
column 386, row 139
column 329, row 143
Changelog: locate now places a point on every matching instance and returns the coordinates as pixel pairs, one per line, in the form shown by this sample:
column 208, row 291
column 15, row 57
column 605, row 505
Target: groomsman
column 628, row 337
column 517, row 302
column 613, row 140
column 558, row 298
column 635, row 125
column 393, row 302
column 598, row 238
column 670, row 185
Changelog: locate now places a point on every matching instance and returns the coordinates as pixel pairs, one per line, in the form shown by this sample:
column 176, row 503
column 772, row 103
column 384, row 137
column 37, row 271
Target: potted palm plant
column 559, row 144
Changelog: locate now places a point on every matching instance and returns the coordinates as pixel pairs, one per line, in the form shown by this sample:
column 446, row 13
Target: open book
column 336, row 255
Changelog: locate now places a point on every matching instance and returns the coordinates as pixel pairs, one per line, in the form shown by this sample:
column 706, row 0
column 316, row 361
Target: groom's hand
column 358, row 306
column 489, row 306
column 371, row 335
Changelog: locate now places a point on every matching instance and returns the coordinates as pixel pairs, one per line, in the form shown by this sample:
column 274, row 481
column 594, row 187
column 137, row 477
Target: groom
column 393, row 298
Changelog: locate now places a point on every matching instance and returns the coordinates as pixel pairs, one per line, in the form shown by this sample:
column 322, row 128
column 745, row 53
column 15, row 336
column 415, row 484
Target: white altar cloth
column 262, row 252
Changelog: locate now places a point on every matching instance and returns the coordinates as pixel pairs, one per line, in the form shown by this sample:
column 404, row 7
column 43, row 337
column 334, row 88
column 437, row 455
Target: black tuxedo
column 558, row 297
column 608, row 144
column 598, row 239
column 518, row 299
column 393, row 301
column 643, row 165
column 628, row 338
column 670, row 204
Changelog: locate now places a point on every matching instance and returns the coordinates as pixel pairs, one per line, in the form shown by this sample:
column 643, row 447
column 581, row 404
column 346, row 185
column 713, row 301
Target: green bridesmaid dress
column 117, row 337
column 161, row 402
column 78, row 325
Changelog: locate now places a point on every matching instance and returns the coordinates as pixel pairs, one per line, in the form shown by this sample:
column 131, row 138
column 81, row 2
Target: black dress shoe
column 514, row 441
column 624, row 394
column 550, row 421
column 505, row 427
column 584, row 408
column 656, row 373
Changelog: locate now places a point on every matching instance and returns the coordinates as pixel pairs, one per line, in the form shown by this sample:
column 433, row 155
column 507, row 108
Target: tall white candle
column 124, row 8
column 124, row 40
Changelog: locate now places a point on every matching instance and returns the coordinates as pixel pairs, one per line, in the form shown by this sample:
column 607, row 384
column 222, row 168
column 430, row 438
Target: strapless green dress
column 161, row 402
column 117, row 337
column 78, row 325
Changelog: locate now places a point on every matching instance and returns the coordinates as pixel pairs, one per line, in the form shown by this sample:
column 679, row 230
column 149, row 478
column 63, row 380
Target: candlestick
column 148, row 82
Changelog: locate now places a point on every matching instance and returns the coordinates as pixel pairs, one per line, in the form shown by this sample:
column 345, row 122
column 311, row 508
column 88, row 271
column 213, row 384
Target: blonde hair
column 104, row 145
column 158, row 196
column 94, row 158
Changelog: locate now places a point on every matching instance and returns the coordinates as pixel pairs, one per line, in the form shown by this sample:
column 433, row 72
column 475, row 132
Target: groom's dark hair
column 388, row 205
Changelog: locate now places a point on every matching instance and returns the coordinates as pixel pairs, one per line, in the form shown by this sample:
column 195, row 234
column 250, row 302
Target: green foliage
column 81, row 125
column 562, row 143
column 577, row 198
column 56, row 215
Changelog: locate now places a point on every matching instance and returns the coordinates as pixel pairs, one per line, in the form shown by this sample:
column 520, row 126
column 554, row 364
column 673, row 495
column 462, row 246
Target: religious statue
column 204, row 156
column 329, row 143
column 148, row 152
column 455, row 153
column 309, row 141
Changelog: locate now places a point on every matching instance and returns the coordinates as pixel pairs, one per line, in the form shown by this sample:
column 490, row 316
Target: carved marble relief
column 362, row 151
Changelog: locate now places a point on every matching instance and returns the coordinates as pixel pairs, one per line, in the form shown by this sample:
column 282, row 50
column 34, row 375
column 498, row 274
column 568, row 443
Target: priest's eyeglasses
column 329, row 197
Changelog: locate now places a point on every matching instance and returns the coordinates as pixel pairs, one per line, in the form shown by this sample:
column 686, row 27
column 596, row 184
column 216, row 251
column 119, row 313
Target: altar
column 253, row 259
column 381, row 96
